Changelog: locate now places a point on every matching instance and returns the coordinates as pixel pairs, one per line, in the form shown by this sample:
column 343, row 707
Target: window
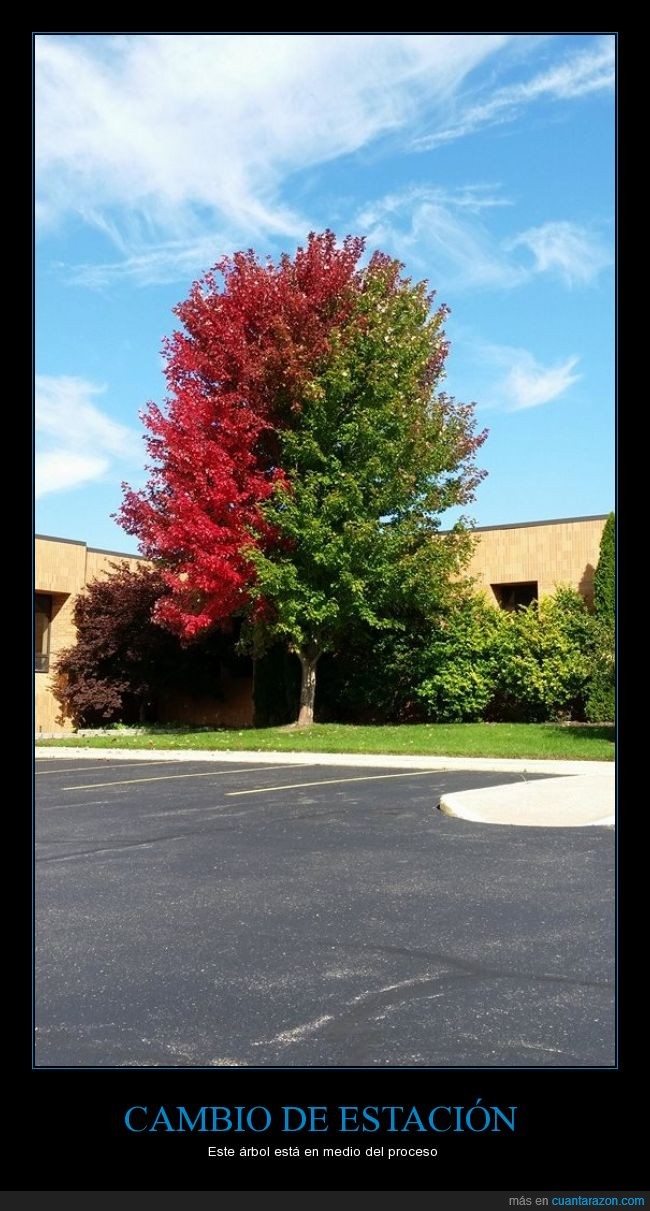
column 512, row 596
column 42, row 618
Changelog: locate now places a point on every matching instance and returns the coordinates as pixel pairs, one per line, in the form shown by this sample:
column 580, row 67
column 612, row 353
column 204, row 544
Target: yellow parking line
column 292, row 786
column 91, row 769
column 170, row 777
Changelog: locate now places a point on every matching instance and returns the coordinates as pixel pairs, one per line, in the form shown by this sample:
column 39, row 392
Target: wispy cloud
column 529, row 384
column 169, row 261
column 524, row 382
column 76, row 442
column 446, row 232
column 473, row 199
column 156, row 139
column 589, row 71
column 566, row 249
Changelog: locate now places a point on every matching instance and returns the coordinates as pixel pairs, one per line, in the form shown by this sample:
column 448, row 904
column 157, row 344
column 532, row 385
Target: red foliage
column 253, row 334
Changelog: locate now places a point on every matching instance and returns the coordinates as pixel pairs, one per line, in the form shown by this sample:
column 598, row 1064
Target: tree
column 252, row 335
column 601, row 702
column 605, row 574
column 122, row 661
column 370, row 462
column 304, row 459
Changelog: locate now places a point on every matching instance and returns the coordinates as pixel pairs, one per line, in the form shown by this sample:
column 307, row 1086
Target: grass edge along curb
column 535, row 741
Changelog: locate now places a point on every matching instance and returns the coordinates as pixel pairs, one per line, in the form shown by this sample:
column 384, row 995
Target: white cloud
column 589, row 71
column 470, row 198
column 179, row 146
column 529, row 384
column 76, row 441
column 157, row 138
column 507, row 378
column 442, row 231
column 566, row 249
column 61, row 470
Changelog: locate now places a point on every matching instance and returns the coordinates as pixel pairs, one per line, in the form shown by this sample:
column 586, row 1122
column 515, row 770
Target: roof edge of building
column 508, row 525
column 78, row 542
column 551, row 521
column 120, row 554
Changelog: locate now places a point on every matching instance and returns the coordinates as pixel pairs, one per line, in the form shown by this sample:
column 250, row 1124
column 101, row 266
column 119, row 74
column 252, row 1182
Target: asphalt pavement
column 191, row 914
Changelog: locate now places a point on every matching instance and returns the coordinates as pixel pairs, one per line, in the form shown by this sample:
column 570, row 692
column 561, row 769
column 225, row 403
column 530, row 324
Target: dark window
column 42, row 619
column 512, row 596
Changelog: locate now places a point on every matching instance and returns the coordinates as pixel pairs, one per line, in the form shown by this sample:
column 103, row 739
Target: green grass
column 540, row 740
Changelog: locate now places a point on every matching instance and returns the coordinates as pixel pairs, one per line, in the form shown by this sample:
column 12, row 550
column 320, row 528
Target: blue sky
column 484, row 161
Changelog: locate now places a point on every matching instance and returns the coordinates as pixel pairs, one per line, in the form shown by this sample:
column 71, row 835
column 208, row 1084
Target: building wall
column 549, row 552
column 62, row 569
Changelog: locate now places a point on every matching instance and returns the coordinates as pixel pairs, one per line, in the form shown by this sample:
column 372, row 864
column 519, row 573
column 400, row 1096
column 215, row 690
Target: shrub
column 470, row 661
column 371, row 679
column 122, row 661
column 458, row 677
column 546, row 660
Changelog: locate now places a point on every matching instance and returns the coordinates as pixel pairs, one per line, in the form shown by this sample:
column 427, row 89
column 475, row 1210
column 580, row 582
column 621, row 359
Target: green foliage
column 601, row 698
column 467, row 662
column 372, row 678
column 461, row 661
column 371, row 459
column 547, row 656
column 605, row 574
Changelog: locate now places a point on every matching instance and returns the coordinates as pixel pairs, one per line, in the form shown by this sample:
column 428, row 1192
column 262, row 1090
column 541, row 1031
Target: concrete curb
column 576, row 802
column 604, row 769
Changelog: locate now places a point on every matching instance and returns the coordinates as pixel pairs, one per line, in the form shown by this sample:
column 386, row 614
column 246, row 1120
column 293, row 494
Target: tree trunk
column 307, row 688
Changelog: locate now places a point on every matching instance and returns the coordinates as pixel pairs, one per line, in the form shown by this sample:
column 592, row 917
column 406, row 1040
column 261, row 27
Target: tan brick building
column 514, row 564
column 520, row 563
column 62, row 569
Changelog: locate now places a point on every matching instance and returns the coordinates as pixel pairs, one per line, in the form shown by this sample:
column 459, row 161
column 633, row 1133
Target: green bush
column 547, row 658
column 438, row 668
column 460, row 666
column 371, row 679
column 532, row 665
column 470, row 661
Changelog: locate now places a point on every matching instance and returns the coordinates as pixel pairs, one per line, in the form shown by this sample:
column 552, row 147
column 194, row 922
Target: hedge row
column 551, row 661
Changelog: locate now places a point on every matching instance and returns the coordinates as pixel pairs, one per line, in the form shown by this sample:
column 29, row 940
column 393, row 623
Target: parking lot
column 195, row 915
